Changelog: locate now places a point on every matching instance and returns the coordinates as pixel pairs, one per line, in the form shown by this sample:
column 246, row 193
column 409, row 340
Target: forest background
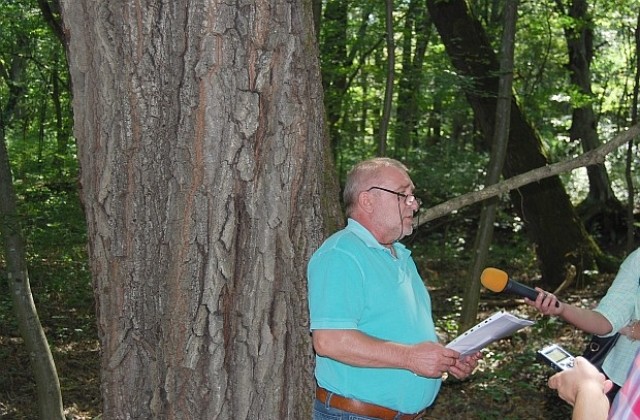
column 575, row 79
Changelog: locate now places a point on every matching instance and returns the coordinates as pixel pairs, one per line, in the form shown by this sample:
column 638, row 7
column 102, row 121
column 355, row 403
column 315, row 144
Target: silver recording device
column 556, row 357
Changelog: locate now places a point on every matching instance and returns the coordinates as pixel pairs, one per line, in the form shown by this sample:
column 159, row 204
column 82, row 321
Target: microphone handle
column 522, row 290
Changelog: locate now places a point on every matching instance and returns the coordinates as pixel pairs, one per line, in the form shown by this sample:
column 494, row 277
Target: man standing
column 377, row 354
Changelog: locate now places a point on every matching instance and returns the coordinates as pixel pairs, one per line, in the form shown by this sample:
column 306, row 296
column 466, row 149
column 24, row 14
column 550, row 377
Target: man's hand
column 465, row 365
column 432, row 360
column 428, row 359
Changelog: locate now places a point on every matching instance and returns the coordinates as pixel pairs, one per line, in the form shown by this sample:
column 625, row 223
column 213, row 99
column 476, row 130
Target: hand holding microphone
column 498, row 281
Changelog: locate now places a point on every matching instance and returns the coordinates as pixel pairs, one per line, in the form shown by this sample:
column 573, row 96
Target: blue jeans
column 324, row 412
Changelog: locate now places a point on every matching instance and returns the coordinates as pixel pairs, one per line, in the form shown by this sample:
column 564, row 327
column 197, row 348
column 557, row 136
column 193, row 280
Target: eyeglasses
column 409, row 199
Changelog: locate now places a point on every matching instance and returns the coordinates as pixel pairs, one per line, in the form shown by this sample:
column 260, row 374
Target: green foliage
column 448, row 323
column 34, row 86
column 36, row 117
column 446, row 170
column 541, row 82
column 547, row 327
column 445, row 156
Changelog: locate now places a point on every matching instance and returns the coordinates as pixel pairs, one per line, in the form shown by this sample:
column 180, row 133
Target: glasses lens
column 410, row 199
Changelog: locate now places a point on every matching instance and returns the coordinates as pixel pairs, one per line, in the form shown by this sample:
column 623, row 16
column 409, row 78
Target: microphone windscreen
column 494, row 279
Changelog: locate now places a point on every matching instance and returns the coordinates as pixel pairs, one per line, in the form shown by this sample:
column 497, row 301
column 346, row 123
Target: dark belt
column 363, row 408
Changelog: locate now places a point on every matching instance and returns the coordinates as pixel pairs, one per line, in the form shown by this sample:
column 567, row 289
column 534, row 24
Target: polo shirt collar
column 370, row 240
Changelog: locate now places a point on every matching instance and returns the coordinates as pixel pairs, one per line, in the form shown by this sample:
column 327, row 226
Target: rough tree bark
column 549, row 217
column 203, row 167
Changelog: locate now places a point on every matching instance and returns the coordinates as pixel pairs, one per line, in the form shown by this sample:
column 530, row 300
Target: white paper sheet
column 499, row 325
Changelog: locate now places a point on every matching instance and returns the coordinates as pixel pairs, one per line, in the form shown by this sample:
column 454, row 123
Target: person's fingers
column 608, row 385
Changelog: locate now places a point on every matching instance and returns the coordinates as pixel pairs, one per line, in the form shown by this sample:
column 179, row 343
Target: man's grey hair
column 364, row 175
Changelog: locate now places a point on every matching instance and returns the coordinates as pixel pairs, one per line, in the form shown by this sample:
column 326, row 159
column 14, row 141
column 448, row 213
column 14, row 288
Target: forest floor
column 73, row 336
column 509, row 383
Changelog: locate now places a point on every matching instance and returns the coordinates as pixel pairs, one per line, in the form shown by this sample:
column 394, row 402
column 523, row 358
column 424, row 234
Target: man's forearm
column 357, row 349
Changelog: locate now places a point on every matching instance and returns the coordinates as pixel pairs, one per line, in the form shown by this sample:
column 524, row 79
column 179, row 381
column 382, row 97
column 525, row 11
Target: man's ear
column 365, row 203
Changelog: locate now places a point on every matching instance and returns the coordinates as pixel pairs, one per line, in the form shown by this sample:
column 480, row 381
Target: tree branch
column 592, row 157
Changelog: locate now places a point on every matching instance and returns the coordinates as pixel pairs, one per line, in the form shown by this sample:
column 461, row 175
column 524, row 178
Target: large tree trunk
column 203, row 160
column 549, row 216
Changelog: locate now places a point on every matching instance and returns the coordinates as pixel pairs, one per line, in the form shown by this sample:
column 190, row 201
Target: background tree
column 545, row 207
column 415, row 39
column 496, row 162
column 601, row 202
column 17, row 274
column 336, row 64
column 390, row 79
column 20, row 55
column 202, row 151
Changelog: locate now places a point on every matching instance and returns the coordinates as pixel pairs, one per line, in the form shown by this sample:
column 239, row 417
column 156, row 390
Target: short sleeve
column 620, row 302
column 336, row 284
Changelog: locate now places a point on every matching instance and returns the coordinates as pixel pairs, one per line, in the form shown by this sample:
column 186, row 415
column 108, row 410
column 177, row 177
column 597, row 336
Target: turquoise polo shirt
column 356, row 283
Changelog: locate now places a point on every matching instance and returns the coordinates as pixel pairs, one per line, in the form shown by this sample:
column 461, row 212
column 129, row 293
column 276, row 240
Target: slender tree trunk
column 410, row 83
column 545, row 208
column 390, row 80
column 496, row 162
column 206, row 183
column 35, row 341
column 335, row 66
column 584, row 126
column 44, row 369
